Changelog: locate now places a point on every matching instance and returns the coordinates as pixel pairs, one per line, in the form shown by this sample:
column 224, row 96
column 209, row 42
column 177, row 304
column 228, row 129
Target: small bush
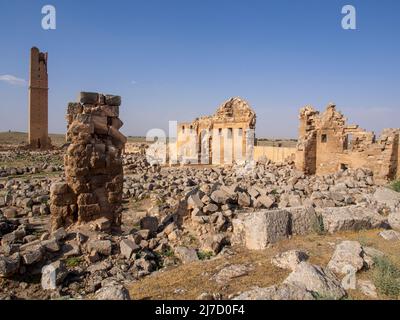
column 168, row 253
column 386, row 277
column 204, row 255
column 73, row 262
column 396, row 186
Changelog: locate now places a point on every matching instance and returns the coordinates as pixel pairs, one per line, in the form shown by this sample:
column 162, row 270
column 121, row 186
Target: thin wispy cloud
column 133, row 82
column 10, row 79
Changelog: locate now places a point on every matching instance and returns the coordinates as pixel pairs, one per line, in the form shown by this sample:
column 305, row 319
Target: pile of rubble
column 25, row 198
column 44, row 162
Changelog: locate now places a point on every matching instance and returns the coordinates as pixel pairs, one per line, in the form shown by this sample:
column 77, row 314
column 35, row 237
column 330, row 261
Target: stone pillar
column 38, row 101
column 93, row 163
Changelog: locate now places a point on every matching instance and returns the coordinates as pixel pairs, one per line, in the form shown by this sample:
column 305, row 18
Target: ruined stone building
column 38, row 101
column 328, row 144
column 223, row 138
column 93, row 163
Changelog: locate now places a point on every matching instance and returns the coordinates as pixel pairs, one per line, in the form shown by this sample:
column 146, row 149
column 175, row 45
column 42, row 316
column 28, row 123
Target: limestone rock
column 394, row 220
column 387, row 197
column 113, row 292
column 289, row 259
column 347, row 253
column 322, row 283
column 186, row 255
column 128, row 248
column 390, row 235
column 350, row 218
column 302, row 220
column 9, row 265
column 367, row 288
column 284, row 291
column 53, row 275
column 264, row 227
column 103, row 247
column 231, row 272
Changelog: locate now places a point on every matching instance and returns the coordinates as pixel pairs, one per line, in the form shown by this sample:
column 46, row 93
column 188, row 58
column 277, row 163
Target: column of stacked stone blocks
column 93, row 163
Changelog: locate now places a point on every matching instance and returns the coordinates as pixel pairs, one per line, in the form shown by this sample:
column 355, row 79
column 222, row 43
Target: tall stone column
column 38, row 101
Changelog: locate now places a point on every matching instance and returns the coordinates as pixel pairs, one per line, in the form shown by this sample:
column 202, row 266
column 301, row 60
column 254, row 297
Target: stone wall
column 93, row 163
column 327, row 144
column 274, row 154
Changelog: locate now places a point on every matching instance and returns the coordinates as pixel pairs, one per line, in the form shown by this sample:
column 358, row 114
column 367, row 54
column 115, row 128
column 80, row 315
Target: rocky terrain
column 250, row 231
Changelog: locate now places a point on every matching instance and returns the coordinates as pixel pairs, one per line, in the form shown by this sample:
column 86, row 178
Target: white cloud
column 12, row 80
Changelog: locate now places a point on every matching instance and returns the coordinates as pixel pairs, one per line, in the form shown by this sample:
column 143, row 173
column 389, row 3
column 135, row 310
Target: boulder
column 219, row 197
column 289, row 259
column 59, row 234
column 266, row 201
column 350, row 218
column 387, row 197
column 346, row 253
column 244, row 200
column 394, row 220
column 212, row 243
column 322, row 283
column 186, row 255
column 367, row 288
column 113, row 292
column 53, row 275
column 9, row 265
column 264, row 227
column 128, row 248
column 390, row 235
column 103, row 247
column 284, row 291
column 149, row 223
column 303, row 220
column 228, row 273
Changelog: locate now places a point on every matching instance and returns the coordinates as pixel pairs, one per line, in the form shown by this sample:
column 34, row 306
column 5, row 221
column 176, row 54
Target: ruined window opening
column 183, row 129
column 344, row 166
column 220, row 131
column 348, row 142
column 309, row 122
column 324, row 138
column 230, row 133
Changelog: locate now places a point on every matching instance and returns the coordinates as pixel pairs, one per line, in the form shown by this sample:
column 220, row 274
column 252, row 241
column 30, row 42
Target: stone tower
column 38, row 101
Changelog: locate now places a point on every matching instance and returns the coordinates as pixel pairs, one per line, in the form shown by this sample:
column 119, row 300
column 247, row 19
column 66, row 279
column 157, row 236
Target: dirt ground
column 182, row 282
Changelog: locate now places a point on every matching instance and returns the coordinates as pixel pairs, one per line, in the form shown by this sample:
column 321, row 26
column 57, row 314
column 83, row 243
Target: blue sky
column 178, row 59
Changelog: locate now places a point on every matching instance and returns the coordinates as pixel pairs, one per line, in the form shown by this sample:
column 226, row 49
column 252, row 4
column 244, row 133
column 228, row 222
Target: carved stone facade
column 223, row 138
column 93, row 163
column 38, row 101
column 327, row 144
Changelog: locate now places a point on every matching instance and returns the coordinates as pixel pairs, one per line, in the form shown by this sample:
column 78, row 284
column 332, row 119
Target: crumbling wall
column 93, row 163
column 327, row 144
column 229, row 135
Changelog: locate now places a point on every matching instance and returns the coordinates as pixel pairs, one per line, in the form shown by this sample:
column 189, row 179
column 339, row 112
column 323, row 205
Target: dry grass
column 195, row 278
column 20, row 138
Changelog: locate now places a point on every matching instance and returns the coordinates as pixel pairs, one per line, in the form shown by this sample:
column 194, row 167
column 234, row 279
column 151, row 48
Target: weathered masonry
column 327, row 144
column 93, row 163
column 38, row 101
column 224, row 138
